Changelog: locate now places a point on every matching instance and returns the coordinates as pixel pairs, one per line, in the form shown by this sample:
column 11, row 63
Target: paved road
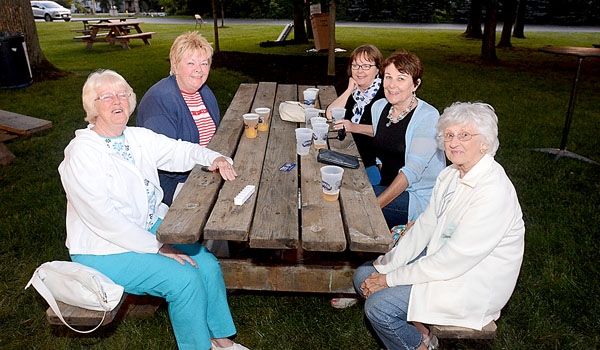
column 234, row 21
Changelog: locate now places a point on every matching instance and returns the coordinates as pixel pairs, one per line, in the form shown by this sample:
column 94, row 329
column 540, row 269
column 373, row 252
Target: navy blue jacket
column 163, row 110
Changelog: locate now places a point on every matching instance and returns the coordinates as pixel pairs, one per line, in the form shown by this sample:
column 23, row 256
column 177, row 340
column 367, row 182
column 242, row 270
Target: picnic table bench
column 114, row 32
column 14, row 125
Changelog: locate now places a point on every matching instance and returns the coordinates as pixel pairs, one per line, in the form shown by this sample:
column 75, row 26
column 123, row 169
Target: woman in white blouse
column 458, row 264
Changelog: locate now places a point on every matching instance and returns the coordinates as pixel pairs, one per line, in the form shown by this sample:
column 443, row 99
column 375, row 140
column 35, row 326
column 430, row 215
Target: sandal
column 342, row 303
column 431, row 342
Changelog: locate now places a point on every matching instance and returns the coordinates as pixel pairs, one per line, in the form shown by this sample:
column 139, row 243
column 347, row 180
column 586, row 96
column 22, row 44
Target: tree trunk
column 331, row 56
column 474, row 25
column 309, row 32
column 509, row 8
column 16, row 17
column 216, row 26
column 299, row 28
column 519, row 31
column 488, row 44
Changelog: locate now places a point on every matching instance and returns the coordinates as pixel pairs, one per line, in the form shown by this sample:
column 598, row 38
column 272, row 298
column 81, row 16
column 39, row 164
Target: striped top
column 204, row 122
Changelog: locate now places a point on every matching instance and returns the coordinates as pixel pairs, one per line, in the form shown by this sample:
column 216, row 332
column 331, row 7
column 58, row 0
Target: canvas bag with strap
column 78, row 285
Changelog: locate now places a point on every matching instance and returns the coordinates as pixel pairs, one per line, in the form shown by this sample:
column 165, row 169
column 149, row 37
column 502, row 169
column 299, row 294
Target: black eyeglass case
column 329, row 157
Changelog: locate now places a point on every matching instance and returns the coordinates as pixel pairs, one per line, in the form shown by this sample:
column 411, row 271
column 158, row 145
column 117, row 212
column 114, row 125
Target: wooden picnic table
column 285, row 237
column 113, row 31
column 87, row 21
column 15, row 125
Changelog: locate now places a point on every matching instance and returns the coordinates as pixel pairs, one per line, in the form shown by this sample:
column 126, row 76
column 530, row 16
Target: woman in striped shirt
column 181, row 106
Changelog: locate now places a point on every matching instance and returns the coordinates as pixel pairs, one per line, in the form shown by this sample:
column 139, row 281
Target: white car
column 49, row 11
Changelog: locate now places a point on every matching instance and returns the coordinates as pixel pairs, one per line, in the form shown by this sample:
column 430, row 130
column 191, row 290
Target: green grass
column 555, row 304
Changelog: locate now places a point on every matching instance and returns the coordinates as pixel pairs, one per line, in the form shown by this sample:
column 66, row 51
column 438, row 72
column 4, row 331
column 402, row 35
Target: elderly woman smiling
column 458, row 264
column 114, row 208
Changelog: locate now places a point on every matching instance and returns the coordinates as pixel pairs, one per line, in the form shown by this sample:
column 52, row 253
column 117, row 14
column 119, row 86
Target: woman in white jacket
column 114, row 207
column 458, row 264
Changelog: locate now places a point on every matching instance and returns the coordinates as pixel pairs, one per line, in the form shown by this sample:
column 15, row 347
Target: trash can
column 15, row 71
column 320, row 27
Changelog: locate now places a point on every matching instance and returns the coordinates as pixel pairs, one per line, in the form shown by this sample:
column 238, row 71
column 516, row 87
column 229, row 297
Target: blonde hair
column 186, row 43
column 98, row 80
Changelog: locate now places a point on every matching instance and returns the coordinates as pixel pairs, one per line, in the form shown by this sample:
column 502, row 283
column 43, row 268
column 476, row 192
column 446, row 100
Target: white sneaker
column 235, row 346
column 431, row 342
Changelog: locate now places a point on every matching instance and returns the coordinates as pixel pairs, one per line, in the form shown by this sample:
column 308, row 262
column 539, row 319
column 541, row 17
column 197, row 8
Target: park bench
column 144, row 35
column 13, row 126
column 131, row 306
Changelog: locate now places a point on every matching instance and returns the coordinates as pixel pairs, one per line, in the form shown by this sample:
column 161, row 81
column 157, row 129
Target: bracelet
column 399, row 232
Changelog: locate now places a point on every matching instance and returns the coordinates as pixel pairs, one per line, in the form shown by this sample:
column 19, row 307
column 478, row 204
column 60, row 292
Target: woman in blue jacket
column 181, row 106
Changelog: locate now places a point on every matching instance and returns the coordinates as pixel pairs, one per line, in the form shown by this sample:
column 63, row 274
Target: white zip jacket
column 474, row 249
column 107, row 205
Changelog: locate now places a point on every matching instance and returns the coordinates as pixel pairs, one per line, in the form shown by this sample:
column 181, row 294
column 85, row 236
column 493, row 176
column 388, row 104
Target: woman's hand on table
column 373, row 283
column 175, row 254
column 225, row 168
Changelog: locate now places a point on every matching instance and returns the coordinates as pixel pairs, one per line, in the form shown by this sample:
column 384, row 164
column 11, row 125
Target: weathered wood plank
column 275, row 223
column 365, row 224
column 22, row 124
column 245, row 274
column 322, row 226
column 229, row 221
column 189, row 212
column 489, row 331
column 134, row 306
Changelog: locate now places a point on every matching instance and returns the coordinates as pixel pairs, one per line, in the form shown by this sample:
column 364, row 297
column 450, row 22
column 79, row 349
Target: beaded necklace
column 401, row 115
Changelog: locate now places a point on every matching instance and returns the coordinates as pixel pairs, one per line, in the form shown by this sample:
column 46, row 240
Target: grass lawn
column 555, row 304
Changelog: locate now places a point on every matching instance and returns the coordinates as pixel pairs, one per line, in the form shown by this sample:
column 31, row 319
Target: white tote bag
column 78, row 285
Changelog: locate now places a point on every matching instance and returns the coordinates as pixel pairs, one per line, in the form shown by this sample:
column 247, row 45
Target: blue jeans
column 396, row 212
column 196, row 297
column 387, row 311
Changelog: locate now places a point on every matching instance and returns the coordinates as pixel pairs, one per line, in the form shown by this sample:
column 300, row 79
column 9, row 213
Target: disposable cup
column 316, row 96
column 317, row 120
column 331, row 181
column 338, row 113
column 303, row 139
column 251, row 125
column 310, row 113
column 264, row 117
column 320, row 131
column 310, row 95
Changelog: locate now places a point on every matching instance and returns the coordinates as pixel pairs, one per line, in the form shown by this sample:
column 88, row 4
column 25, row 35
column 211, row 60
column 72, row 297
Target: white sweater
column 474, row 249
column 107, row 205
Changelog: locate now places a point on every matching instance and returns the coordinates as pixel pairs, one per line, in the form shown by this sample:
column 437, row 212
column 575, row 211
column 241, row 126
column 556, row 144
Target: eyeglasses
column 110, row 97
column 461, row 136
column 361, row 66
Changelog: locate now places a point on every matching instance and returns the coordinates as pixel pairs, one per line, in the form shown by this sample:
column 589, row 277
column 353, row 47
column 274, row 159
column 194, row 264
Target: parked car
column 49, row 11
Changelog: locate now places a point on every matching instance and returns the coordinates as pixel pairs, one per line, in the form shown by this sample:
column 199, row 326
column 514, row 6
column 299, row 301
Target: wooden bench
column 144, row 35
column 89, row 37
column 453, row 332
column 133, row 306
column 14, row 125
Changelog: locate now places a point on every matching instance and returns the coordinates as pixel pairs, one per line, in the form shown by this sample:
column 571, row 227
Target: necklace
column 401, row 115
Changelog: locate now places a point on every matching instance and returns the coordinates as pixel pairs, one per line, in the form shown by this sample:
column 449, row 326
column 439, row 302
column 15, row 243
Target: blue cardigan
column 163, row 110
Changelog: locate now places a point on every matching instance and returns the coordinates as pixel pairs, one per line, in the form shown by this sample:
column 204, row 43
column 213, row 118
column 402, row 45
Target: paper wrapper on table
column 320, row 27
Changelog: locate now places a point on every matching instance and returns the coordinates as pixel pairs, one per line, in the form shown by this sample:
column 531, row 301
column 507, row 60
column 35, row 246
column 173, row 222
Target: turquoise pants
column 196, row 297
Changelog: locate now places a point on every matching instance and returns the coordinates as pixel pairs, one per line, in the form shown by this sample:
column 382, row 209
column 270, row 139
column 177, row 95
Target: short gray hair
column 480, row 115
column 97, row 80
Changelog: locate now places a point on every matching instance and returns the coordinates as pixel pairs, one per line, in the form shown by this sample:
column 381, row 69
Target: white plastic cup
column 331, row 182
column 251, row 125
column 338, row 113
column 264, row 117
column 310, row 96
column 317, row 120
column 310, row 113
column 320, row 131
column 303, row 139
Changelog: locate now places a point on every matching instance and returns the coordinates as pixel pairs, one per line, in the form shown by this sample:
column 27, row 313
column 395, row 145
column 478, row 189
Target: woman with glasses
column 459, row 262
column 364, row 88
column 182, row 106
column 114, row 208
